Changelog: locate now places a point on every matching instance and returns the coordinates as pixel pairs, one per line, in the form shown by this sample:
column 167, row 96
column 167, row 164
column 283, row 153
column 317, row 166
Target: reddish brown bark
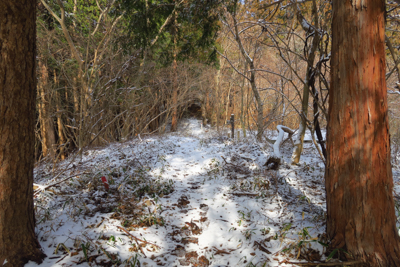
column 18, row 243
column 360, row 207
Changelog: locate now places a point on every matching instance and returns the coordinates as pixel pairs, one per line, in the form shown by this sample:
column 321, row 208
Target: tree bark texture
column 18, row 243
column 360, row 207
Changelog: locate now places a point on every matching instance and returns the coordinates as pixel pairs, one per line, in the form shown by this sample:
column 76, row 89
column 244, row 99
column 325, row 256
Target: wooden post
column 232, row 121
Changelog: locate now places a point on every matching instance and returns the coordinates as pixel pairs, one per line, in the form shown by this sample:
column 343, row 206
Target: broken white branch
column 281, row 133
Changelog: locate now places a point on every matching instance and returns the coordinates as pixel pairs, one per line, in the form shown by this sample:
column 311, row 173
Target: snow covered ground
column 192, row 198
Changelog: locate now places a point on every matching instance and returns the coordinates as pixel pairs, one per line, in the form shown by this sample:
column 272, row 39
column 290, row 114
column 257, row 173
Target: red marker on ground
column 105, row 182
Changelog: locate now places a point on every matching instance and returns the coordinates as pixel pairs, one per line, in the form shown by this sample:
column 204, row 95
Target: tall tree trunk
column 18, row 243
column 360, row 207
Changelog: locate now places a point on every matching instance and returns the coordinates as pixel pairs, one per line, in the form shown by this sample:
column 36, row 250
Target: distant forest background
column 110, row 70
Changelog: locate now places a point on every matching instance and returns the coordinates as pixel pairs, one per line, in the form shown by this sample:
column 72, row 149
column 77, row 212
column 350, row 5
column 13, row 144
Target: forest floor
column 191, row 198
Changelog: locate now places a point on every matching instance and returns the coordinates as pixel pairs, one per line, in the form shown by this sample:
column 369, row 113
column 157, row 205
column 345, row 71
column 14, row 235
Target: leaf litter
column 192, row 198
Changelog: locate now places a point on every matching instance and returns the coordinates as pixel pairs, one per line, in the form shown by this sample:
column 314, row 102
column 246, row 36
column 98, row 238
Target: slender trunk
column 298, row 143
column 395, row 59
column 174, row 123
column 204, row 105
column 46, row 122
column 228, row 100
column 260, row 105
column 216, row 114
column 75, row 94
column 154, row 115
column 81, row 121
column 250, row 61
column 85, row 106
column 317, row 128
column 60, row 125
column 248, row 99
column 18, row 243
column 359, row 186
column 174, row 119
column 283, row 101
column 242, row 109
column 128, row 125
column 61, row 136
column 207, row 107
column 60, row 128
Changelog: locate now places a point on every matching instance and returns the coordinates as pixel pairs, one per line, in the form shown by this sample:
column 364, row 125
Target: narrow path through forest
column 194, row 198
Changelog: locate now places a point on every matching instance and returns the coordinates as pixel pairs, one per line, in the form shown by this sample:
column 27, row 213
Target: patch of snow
column 184, row 192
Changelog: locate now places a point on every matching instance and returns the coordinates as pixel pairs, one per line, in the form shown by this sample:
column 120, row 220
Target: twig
column 107, row 254
column 67, row 167
column 261, row 247
column 59, row 182
column 222, row 252
column 343, row 263
column 137, row 239
column 244, row 194
column 226, row 161
column 141, row 249
column 105, row 127
column 92, row 257
column 236, row 168
column 62, row 258
column 321, row 155
column 97, row 225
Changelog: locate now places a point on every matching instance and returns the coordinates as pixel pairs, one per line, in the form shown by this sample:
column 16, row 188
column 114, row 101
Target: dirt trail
column 192, row 198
